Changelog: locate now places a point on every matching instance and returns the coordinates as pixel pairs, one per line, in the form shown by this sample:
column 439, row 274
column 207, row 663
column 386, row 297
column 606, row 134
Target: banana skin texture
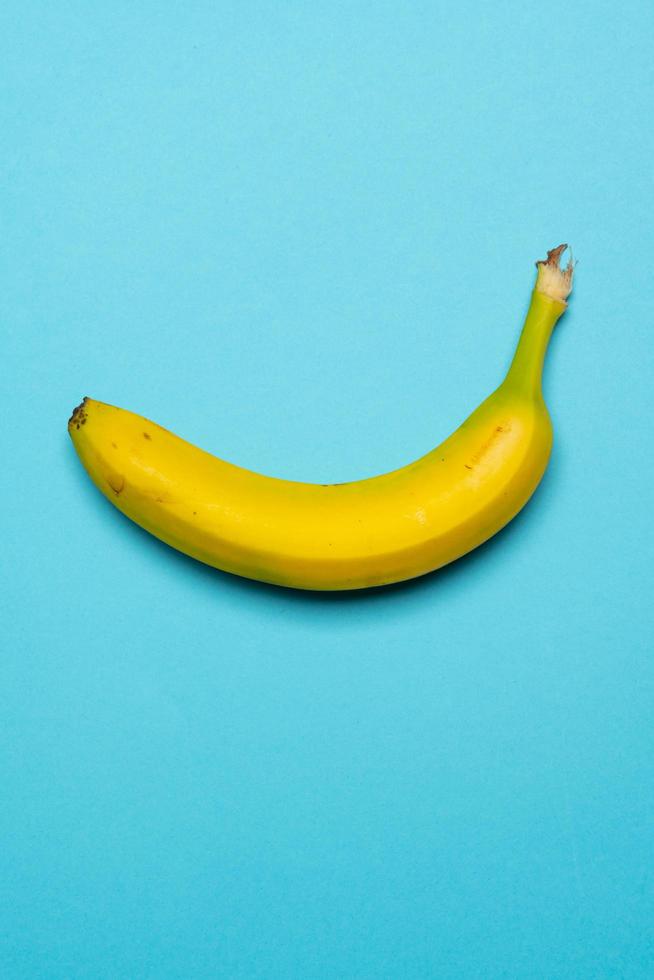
column 354, row 535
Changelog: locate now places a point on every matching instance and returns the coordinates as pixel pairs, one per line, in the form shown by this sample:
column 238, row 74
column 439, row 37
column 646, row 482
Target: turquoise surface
column 303, row 236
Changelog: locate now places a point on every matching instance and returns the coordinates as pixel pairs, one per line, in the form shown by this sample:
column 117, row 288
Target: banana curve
column 354, row 535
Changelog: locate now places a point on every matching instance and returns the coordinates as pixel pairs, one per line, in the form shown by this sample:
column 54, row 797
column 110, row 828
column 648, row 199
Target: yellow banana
column 345, row 536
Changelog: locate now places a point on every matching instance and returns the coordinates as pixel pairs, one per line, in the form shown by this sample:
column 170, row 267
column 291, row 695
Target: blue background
column 302, row 236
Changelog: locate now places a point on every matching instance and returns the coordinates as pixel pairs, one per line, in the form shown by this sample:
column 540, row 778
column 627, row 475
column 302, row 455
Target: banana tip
column 79, row 416
column 552, row 280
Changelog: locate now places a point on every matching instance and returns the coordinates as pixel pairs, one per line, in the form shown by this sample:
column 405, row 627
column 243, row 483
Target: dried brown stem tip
column 552, row 280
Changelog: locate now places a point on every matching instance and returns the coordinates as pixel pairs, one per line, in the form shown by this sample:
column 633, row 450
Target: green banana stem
column 548, row 303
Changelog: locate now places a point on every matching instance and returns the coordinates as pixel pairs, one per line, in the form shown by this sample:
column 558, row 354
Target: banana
column 345, row 536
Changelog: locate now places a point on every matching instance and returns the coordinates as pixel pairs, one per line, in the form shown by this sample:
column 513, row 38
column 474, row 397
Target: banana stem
column 548, row 303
